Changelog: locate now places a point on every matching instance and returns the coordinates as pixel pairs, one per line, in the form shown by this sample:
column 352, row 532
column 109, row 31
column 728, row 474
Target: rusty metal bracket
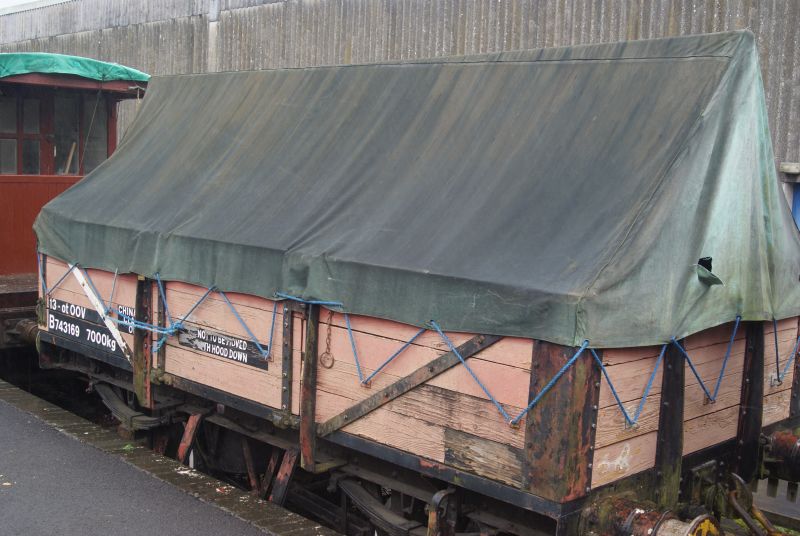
column 404, row 385
column 189, row 433
column 281, row 486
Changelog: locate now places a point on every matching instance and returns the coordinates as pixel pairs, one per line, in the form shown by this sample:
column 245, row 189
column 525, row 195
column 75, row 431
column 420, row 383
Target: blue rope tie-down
column 361, row 378
column 46, row 291
column 177, row 326
column 781, row 375
column 710, row 397
column 630, row 422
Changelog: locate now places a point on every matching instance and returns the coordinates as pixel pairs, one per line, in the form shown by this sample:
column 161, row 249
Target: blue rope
column 283, row 296
column 727, row 355
column 63, row 277
column 353, row 346
column 628, row 420
column 789, row 361
column 694, row 370
column 41, row 274
column 264, row 353
column 163, row 297
column 709, row 396
column 453, row 349
column 366, row 380
column 550, row 384
column 782, row 374
column 113, row 289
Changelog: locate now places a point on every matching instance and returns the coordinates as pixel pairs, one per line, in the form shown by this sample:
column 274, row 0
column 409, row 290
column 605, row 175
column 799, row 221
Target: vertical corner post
column 161, row 321
column 560, row 430
column 286, row 359
column 794, row 401
column 669, row 442
column 751, row 406
column 308, row 390
column 142, row 349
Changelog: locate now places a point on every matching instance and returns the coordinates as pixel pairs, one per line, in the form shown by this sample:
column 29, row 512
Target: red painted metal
column 21, row 199
column 248, row 461
column 284, row 476
column 192, row 424
column 272, row 465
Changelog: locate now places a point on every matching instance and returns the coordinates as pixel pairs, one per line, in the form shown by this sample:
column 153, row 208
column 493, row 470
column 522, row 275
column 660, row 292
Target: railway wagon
column 550, row 291
column 58, row 121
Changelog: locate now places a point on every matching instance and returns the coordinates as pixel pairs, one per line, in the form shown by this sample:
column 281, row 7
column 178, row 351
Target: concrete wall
column 163, row 37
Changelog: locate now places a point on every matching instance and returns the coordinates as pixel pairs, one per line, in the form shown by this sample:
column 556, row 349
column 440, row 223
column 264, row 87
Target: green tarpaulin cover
column 16, row 63
column 559, row 194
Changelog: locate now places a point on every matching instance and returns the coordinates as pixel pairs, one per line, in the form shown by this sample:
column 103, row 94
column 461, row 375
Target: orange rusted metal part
column 192, row 424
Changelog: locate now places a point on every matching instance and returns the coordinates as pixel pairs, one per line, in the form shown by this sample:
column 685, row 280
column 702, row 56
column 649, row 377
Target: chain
column 326, row 357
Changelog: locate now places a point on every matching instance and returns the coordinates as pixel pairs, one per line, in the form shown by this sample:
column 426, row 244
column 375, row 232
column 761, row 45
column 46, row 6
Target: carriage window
column 8, row 156
column 95, row 118
column 8, row 115
column 30, row 157
column 66, row 131
column 30, row 116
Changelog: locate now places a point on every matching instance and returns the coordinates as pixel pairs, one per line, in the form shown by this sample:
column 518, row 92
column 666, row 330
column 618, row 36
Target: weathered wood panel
column 483, row 457
column 623, row 459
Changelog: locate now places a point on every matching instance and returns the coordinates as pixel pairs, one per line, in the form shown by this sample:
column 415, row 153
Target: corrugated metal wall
column 163, row 36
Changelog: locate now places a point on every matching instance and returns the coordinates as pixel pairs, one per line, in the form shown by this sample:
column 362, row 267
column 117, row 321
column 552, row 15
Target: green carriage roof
column 17, row 63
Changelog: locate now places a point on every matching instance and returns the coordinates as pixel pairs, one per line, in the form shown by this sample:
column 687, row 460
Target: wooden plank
column 403, row 385
column 460, row 412
column 559, row 433
column 508, row 384
column 483, row 457
column 776, row 407
column 241, row 380
column 710, row 429
column 624, row 459
column 401, row 432
column 124, row 292
column 367, row 331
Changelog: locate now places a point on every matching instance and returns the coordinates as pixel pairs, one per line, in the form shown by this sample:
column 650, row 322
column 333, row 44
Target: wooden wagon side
column 425, row 406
